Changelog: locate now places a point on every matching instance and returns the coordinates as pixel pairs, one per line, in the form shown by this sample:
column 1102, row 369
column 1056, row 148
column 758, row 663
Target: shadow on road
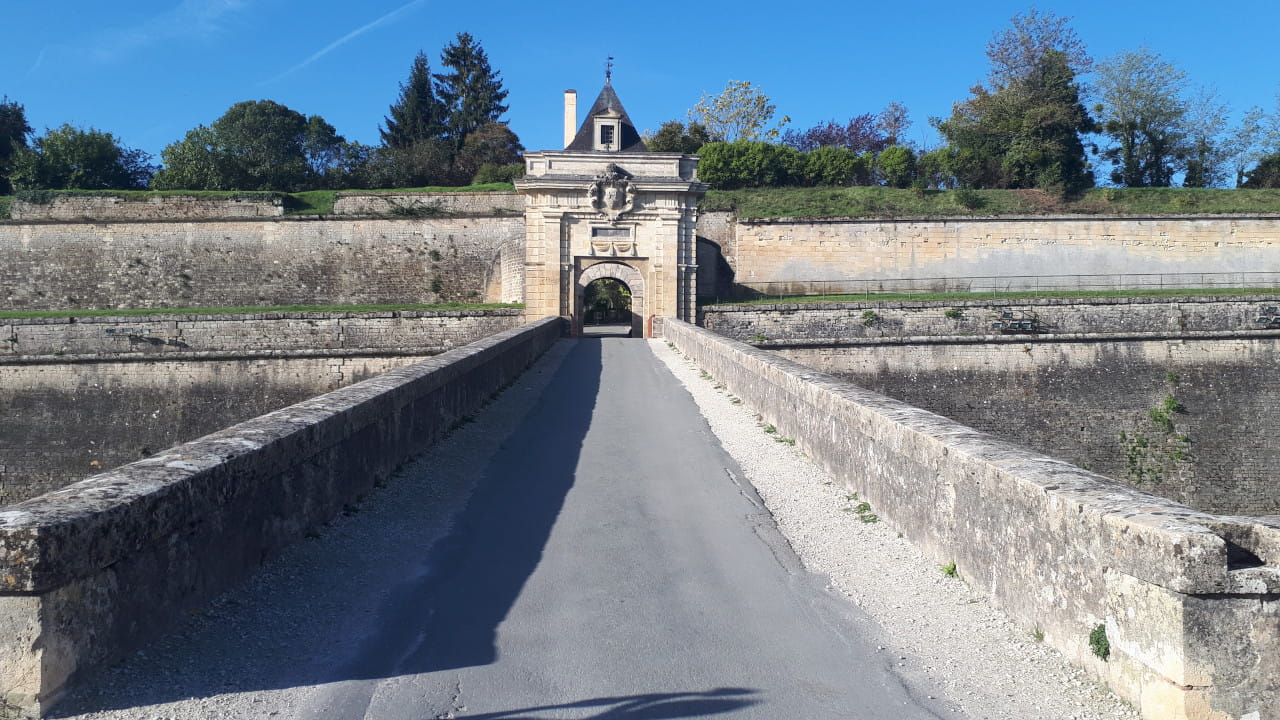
column 649, row 706
column 442, row 618
column 448, row 618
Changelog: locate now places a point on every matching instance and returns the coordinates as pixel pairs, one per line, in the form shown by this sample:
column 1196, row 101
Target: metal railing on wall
column 870, row 288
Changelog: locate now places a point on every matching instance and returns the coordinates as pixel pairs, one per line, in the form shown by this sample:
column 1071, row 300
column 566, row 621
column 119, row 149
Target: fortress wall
column 289, row 261
column 426, row 204
column 810, row 323
column 1089, row 402
column 789, row 250
column 60, row 423
column 82, row 395
column 1061, row 549
column 420, row 332
column 192, row 521
column 98, row 208
column 1098, row 370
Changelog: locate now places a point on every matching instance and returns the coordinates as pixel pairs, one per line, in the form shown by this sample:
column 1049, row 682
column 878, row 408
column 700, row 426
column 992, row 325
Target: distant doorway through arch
column 609, row 295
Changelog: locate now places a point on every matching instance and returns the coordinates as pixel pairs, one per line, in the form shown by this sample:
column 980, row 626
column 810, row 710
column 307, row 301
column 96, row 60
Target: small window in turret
column 606, row 135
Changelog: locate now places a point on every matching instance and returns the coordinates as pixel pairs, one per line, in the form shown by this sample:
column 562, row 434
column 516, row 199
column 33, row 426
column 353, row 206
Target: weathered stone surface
column 280, row 262
column 98, row 208
column 200, row 517
column 1010, row 251
column 808, row 324
column 1058, row 547
column 423, row 204
column 86, row 394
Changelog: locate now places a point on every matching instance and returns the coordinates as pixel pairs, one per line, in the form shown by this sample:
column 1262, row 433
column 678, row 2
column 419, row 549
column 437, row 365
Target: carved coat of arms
column 611, row 193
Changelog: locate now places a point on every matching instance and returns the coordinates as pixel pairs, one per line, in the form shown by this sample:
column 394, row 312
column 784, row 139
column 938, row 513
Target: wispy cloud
column 345, row 39
column 188, row 20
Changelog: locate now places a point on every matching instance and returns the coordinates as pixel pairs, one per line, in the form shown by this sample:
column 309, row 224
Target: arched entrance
column 625, row 275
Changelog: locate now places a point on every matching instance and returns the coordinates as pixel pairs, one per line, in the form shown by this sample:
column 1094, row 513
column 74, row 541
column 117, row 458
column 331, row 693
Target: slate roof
column 608, row 100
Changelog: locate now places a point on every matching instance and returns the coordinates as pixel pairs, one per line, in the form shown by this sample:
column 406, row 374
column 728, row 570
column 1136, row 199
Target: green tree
column 674, row 136
column 471, row 90
column 837, row 167
column 1266, row 174
column 13, row 138
column 1016, row 51
column 255, row 145
column 417, row 114
column 1207, row 145
column 728, row 166
column 935, row 168
column 1142, row 112
column 1026, row 134
column 491, row 144
column 739, row 112
column 896, row 164
column 69, row 158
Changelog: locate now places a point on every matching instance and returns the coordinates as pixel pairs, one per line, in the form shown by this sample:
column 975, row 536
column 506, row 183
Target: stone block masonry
column 1189, row 601
column 494, row 204
column 192, row 521
column 101, row 208
column 287, row 261
column 806, row 324
column 806, row 249
column 272, row 334
column 83, row 394
column 1186, row 418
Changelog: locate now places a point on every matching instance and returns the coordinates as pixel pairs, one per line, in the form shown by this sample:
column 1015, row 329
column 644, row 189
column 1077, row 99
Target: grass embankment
column 253, row 310
column 981, row 296
column 757, row 203
column 312, row 202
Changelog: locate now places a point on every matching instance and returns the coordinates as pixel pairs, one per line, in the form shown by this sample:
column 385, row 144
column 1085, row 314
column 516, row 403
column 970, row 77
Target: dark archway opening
column 606, row 307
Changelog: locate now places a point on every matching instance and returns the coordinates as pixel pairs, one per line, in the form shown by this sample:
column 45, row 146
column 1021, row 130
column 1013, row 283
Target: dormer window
column 606, row 136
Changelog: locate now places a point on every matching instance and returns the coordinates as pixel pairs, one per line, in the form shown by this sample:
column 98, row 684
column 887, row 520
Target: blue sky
column 149, row 70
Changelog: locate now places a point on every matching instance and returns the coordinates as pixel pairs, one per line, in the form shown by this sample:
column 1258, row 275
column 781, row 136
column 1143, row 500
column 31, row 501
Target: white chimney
column 570, row 116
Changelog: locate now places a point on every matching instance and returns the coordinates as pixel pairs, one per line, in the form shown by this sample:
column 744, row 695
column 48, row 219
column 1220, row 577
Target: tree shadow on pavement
column 648, row 706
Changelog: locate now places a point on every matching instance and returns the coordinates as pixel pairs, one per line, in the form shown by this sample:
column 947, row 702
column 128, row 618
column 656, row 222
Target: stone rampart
column 276, row 334
column 113, row 208
column 838, row 323
column 1014, row 249
column 494, row 204
column 281, row 262
column 1189, row 602
column 192, row 521
column 81, row 395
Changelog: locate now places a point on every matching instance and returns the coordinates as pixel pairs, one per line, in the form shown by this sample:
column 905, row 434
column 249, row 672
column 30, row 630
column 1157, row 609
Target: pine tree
column 472, row 92
column 418, row 114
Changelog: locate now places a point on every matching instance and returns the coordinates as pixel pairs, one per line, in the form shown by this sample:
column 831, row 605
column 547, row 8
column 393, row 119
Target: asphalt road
column 609, row 566
column 604, row 562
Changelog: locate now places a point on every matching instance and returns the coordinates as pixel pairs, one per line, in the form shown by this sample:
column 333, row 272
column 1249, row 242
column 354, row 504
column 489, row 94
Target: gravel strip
column 990, row 668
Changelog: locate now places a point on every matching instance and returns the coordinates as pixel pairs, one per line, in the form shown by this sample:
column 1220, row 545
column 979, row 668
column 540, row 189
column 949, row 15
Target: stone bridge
column 1187, row 600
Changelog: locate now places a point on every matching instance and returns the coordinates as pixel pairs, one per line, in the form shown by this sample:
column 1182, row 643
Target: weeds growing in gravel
column 1037, row 634
column 949, row 570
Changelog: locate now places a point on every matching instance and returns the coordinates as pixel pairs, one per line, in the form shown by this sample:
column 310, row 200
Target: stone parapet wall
column 261, row 263
column 797, row 250
column 62, row 422
column 190, row 522
column 417, row 332
column 817, row 323
column 427, row 204
column 81, row 395
column 1189, row 601
column 109, row 208
column 1089, row 401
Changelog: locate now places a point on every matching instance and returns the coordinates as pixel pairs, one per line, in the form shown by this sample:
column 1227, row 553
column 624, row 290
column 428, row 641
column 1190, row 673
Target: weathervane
column 608, row 70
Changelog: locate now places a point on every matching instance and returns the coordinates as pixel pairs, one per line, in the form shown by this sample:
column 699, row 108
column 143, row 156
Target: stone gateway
column 607, row 207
